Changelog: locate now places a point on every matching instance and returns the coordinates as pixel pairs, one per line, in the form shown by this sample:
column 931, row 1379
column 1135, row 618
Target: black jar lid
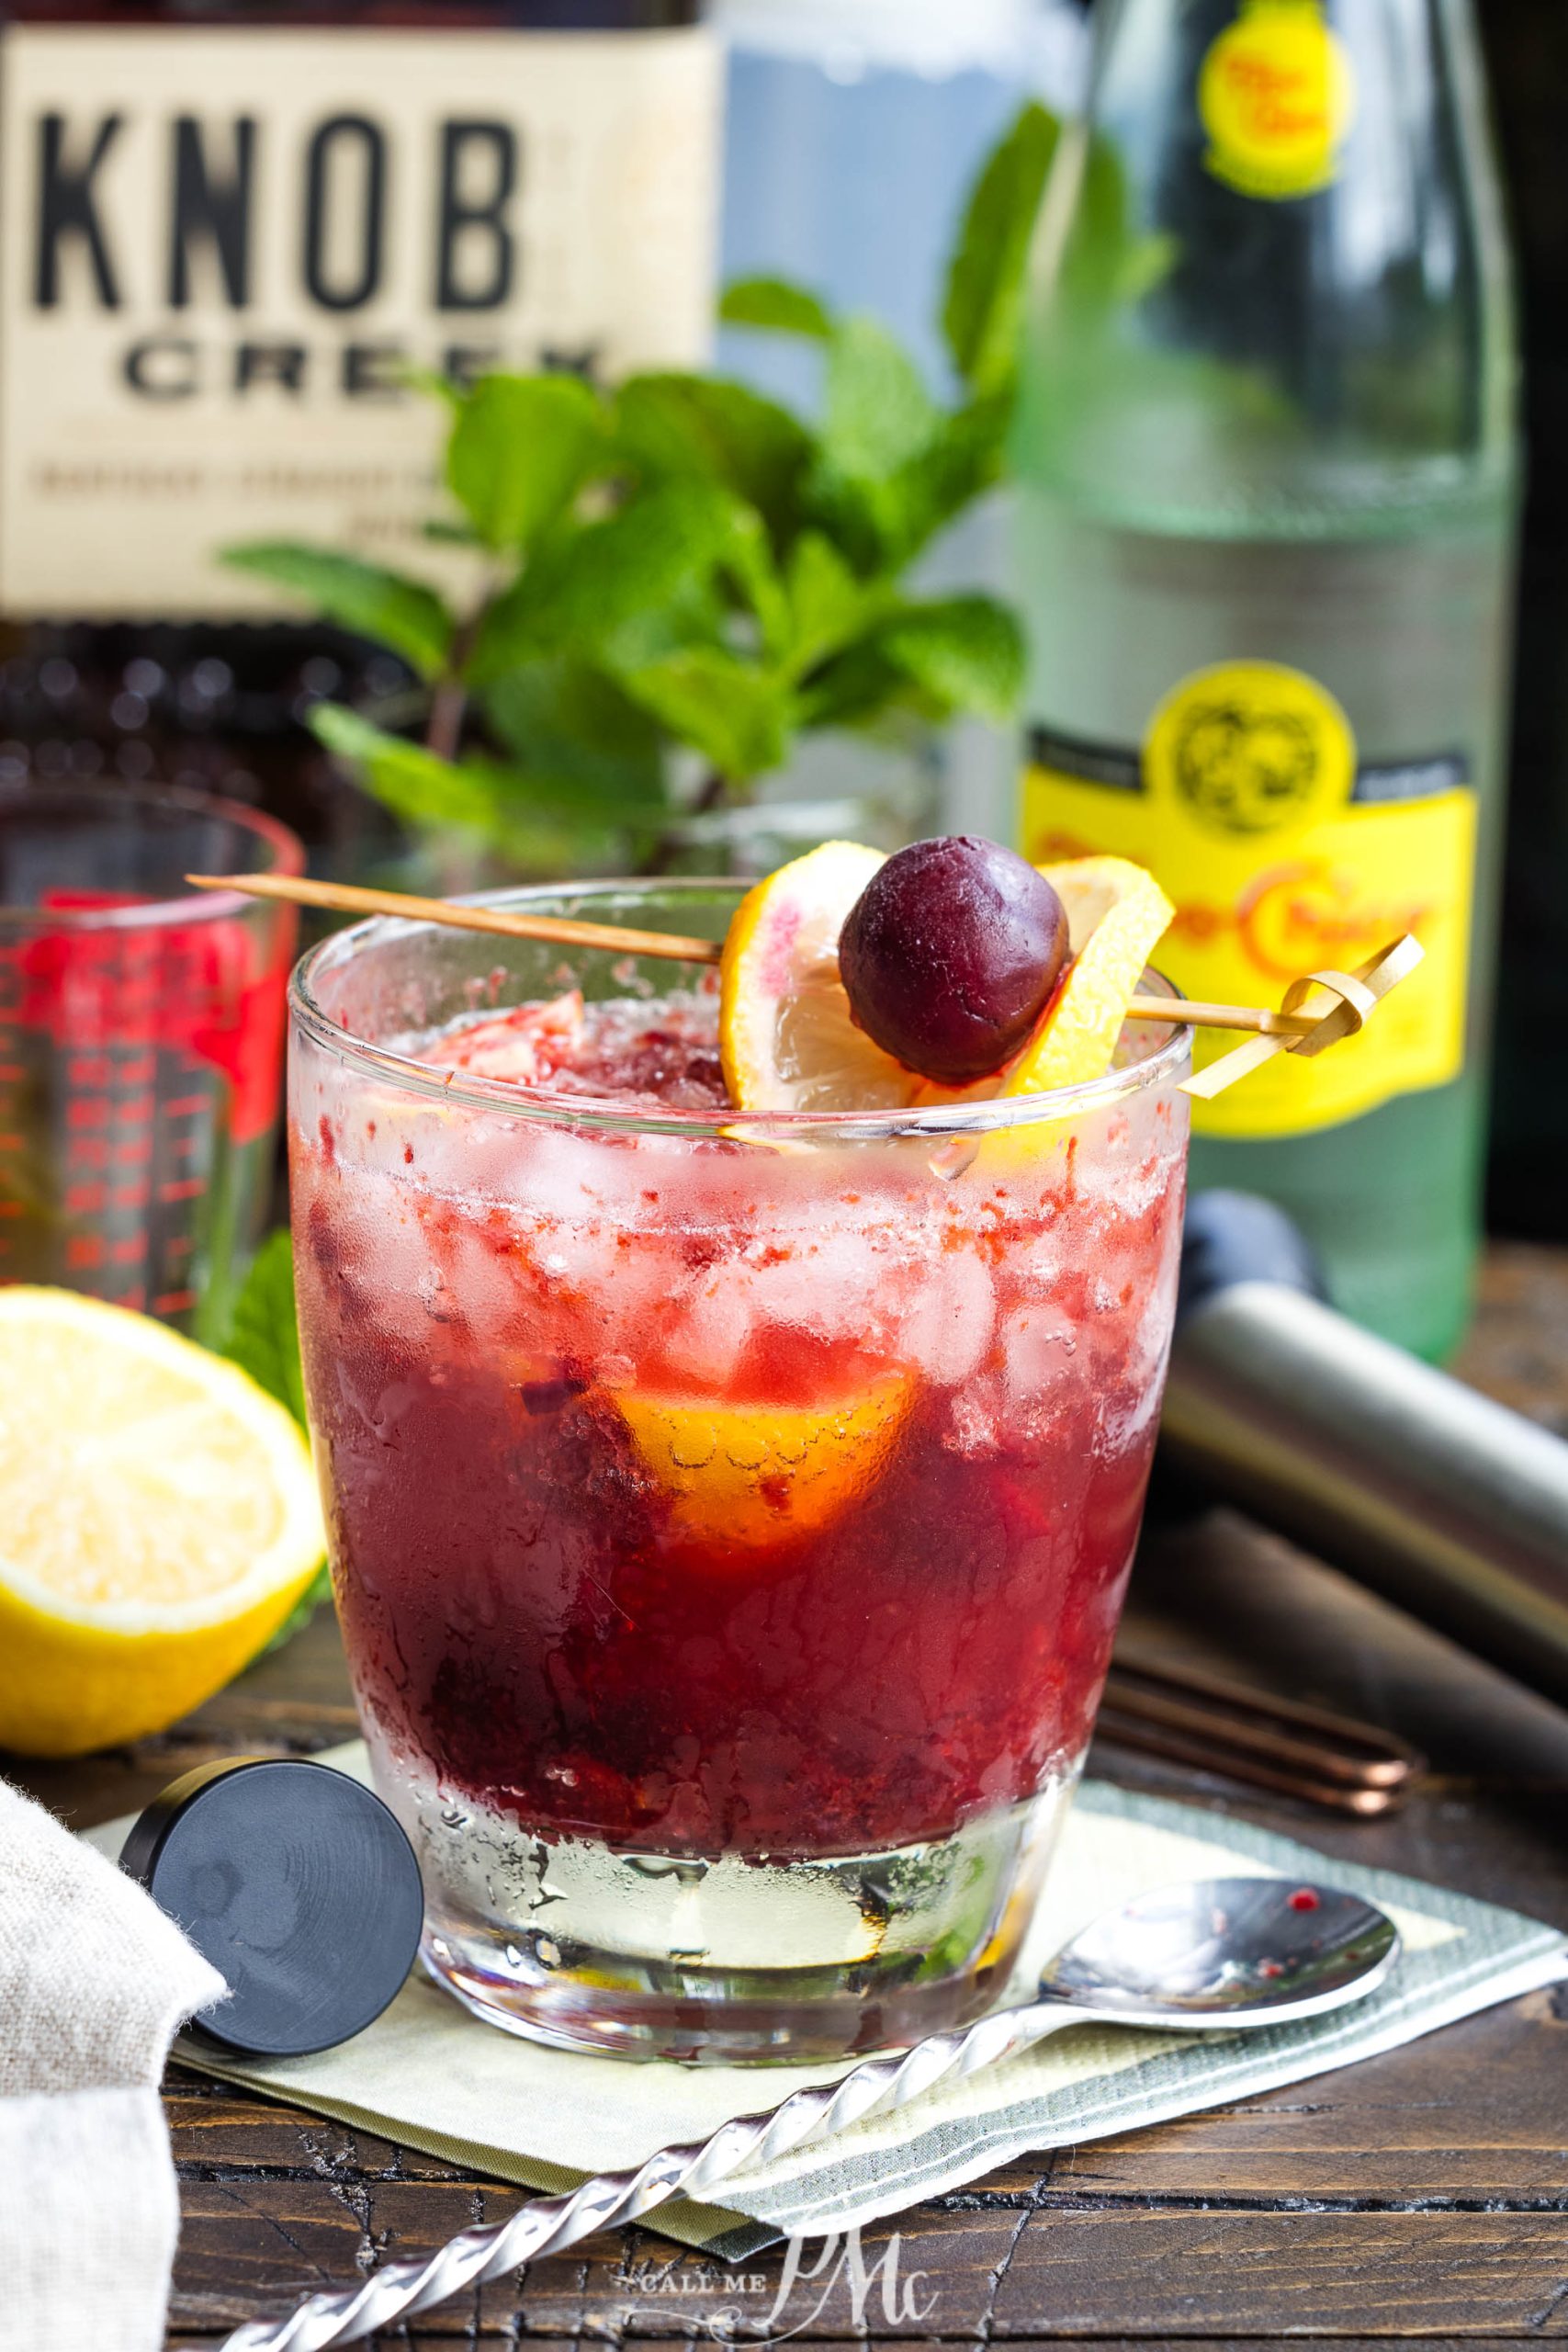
column 297, row 1884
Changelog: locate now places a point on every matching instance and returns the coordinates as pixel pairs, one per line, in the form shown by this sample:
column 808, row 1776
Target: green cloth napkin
column 431, row 2076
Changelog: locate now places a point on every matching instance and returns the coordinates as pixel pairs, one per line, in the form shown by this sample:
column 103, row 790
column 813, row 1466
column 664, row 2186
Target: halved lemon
column 751, row 1476
column 787, row 1039
column 1117, row 915
column 158, row 1518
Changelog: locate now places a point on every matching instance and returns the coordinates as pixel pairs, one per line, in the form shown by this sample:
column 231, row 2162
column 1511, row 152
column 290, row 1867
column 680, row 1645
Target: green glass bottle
column 1268, row 462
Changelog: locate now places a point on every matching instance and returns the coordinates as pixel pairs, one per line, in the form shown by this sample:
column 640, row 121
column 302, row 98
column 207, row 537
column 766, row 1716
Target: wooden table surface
column 1420, row 2196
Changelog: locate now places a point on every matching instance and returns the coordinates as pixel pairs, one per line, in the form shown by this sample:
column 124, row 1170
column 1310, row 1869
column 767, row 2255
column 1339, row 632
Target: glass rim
column 150, row 914
column 1165, row 1064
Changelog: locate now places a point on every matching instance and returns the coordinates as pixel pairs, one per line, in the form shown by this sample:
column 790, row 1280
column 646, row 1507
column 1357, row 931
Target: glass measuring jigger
column 140, row 1041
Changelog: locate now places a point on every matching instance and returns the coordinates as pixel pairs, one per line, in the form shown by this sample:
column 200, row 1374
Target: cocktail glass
column 729, row 1514
column 140, row 1043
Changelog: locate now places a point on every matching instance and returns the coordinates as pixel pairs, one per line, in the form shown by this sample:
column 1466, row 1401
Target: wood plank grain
column 1517, row 1346
column 1150, row 2271
column 418, row 2336
column 237, row 2233
column 1056, row 2267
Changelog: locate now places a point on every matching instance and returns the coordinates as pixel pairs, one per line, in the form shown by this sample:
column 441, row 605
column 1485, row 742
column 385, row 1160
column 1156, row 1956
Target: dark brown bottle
column 1527, row 42
column 227, row 228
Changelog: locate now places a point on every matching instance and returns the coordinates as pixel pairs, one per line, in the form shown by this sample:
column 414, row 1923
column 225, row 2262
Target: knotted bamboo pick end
column 1347, row 1017
column 1346, row 1002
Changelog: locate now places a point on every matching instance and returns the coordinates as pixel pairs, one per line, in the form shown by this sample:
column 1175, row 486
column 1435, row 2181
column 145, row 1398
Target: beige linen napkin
column 93, row 1980
column 431, row 2076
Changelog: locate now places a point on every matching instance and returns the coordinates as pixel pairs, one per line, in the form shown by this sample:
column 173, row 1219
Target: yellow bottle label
column 1277, row 96
column 1283, row 854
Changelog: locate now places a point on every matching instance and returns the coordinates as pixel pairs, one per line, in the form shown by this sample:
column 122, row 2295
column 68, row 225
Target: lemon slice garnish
column 1116, row 915
column 786, row 1036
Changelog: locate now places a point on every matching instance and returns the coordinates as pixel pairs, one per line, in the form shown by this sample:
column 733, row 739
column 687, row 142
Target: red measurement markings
column 188, row 1188
column 175, row 1302
column 84, row 1251
column 12, row 1073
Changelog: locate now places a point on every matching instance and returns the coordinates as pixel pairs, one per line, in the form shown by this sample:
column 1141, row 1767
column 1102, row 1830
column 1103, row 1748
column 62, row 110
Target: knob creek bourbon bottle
column 226, row 229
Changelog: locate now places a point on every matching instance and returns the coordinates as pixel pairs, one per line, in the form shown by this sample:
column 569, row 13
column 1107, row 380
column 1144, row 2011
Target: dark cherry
column 950, row 954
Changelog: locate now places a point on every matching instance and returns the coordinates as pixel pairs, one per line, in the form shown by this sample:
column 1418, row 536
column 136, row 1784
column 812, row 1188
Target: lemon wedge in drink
column 1116, row 914
column 158, row 1518
column 787, row 1039
column 746, row 1477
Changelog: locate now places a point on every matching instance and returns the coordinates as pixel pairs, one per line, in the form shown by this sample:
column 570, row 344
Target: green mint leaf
column 433, row 384
column 828, row 605
column 1108, row 261
column 264, row 1340
column 581, row 595
column 878, row 414
column 745, row 558
column 672, row 427
column 401, row 613
column 1148, row 263
column 519, row 452
column 859, row 687
column 881, row 524
column 565, row 719
column 965, row 457
column 968, row 651
column 304, row 1608
column 696, row 614
column 983, row 311
column 542, row 823
column 737, row 715
column 775, row 304
column 263, row 1334
column 413, row 783
column 880, row 421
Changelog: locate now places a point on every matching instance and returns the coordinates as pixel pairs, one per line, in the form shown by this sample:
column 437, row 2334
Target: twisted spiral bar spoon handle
column 546, row 2224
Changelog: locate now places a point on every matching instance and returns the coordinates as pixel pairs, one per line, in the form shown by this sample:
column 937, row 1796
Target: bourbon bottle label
column 222, row 250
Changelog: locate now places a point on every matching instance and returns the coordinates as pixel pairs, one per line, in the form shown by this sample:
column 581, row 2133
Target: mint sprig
column 678, row 565
column 263, row 1339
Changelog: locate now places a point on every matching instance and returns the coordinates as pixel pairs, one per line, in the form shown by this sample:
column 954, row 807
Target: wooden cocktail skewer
column 348, row 897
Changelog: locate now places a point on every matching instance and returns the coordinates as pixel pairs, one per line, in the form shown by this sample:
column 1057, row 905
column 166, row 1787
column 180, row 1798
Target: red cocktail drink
column 731, row 1515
